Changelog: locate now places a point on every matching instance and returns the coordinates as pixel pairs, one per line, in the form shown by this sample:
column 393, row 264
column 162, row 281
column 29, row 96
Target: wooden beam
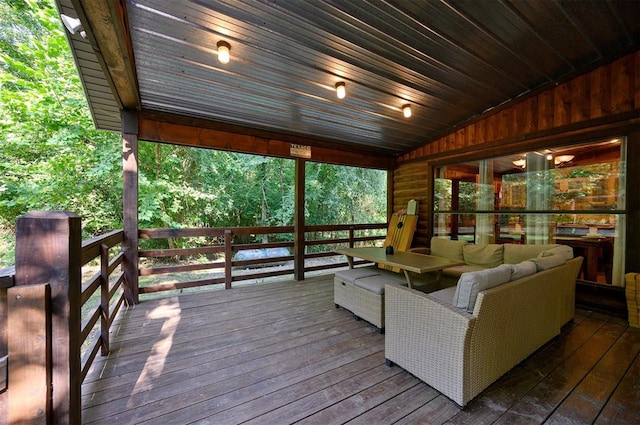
column 107, row 28
column 180, row 130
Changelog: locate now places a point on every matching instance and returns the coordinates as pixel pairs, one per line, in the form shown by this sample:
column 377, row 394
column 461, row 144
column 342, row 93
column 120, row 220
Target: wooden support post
column 228, row 255
column 455, row 206
column 632, row 248
column 48, row 247
column 298, row 225
column 130, row 205
column 389, row 194
column 30, row 354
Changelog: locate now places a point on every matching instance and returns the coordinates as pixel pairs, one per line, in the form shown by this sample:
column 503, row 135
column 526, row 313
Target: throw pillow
column 564, row 250
column 484, row 255
column 514, row 253
column 545, row 263
column 522, row 269
column 447, row 248
column 471, row 283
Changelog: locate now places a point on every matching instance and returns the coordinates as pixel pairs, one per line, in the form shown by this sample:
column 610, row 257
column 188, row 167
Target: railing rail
column 223, row 247
column 52, row 314
column 108, row 285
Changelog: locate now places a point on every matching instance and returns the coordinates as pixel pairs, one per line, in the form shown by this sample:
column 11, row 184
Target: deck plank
column 624, row 405
column 282, row 353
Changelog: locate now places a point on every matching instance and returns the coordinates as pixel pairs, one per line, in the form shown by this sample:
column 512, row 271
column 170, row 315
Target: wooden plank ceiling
column 450, row 60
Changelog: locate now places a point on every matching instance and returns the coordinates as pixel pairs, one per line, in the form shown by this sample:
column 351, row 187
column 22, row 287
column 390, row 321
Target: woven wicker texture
column 460, row 354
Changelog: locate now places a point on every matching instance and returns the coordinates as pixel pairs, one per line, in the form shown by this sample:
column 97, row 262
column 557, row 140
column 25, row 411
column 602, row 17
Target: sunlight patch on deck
column 155, row 363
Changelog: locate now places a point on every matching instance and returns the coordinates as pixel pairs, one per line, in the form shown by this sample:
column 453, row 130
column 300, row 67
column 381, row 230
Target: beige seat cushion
column 376, row 284
column 483, row 255
column 350, row 276
column 447, row 248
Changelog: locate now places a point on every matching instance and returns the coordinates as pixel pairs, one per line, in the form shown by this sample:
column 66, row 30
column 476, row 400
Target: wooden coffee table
column 406, row 261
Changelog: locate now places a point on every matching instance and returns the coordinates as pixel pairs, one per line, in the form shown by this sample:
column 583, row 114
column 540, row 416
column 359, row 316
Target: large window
column 573, row 195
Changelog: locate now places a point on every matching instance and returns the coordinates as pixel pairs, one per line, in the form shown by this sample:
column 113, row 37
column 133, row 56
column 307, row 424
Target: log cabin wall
column 603, row 102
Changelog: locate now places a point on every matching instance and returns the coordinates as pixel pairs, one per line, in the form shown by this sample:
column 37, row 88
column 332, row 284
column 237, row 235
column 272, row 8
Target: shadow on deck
column 282, row 353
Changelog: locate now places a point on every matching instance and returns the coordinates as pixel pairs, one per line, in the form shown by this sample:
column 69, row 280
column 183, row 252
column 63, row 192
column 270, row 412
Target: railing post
column 48, row 248
column 228, row 254
column 352, row 235
column 104, row 299
column 29, row 320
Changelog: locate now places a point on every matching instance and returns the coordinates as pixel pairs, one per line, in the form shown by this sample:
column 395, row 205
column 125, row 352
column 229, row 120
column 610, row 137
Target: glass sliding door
column 571, row 195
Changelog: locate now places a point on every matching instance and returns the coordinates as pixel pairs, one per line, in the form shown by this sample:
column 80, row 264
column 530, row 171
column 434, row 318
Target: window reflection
column 572, row 195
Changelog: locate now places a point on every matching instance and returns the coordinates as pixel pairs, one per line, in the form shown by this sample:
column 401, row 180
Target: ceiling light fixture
column 520, row 163
column 562, row 159
column 73, row 25
column 223, row 51
column 406, row 110
column 341, row 89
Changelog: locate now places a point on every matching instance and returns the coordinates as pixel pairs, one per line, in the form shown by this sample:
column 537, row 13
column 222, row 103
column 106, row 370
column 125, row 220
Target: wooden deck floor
column 282, row 353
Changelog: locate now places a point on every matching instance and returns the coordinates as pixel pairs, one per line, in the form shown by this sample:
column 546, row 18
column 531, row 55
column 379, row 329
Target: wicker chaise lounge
column 460, row 353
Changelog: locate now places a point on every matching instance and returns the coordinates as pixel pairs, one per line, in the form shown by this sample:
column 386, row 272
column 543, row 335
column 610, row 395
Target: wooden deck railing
column 42, row 304
column 319, row 243
column 52, row 324
column 108, row 281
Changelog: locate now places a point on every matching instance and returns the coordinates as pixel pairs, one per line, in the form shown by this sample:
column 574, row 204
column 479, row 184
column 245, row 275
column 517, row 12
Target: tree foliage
column 51, row 157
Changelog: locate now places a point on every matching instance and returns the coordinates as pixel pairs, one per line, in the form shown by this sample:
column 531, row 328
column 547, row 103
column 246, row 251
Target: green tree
column 50, row 155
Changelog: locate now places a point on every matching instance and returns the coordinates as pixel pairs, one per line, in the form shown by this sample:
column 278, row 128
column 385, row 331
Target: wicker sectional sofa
column 361, row 290
column 460, row 351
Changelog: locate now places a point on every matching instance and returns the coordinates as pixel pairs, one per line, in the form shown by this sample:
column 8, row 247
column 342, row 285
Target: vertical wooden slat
column 621, row 86
column 130, row 205
column 562, row 105
column 545, row 110
column 104, row 299
column 30, row 355
column 580, row 98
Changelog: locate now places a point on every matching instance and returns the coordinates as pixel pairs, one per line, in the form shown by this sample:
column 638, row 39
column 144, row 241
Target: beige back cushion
column 447, row 248
column 514, row 254
column 483, row 255
column 471, row 283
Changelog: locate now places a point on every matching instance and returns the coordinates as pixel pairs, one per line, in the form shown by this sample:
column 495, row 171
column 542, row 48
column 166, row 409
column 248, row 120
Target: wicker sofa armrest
column 428, row 338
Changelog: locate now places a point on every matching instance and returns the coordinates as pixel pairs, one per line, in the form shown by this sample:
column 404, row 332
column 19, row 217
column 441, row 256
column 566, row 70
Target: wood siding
column 604, row 102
